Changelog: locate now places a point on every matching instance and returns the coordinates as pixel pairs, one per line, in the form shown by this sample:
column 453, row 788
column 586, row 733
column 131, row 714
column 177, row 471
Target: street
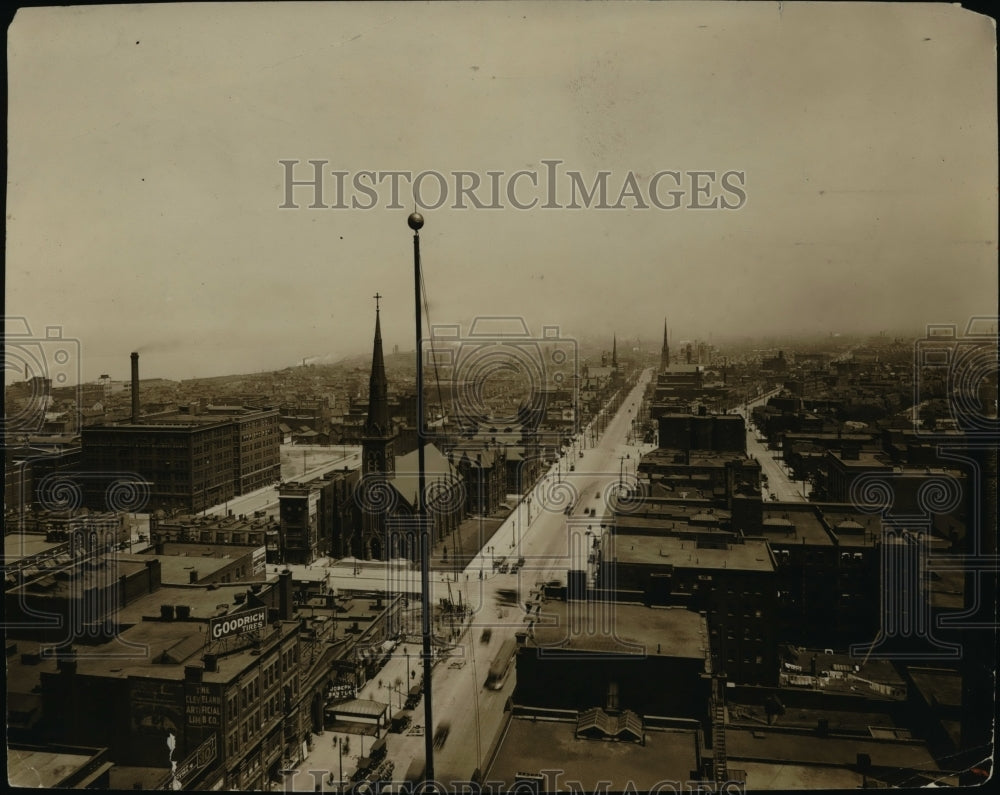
column 778, row 486
column 550, row 545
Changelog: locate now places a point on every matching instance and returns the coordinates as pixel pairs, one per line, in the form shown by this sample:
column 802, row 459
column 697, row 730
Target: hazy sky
column 145, row 184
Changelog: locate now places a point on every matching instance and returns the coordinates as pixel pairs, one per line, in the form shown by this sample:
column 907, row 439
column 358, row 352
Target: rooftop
column 24, row 545
column 791, row 524
column 36, row 768
column 73, row 581
column 629, row 548
column 838, row 672
column 436, row 468
column 851, row 527
column 665, row 456
column 866, row 460
column 621, row 628
column 532, row 746
column 162, row 649
column 787, row 778
column 939, row 687
column 205, row 601
column 839, row 721
column 762, row 745
column 707, row 524
column 179, row 560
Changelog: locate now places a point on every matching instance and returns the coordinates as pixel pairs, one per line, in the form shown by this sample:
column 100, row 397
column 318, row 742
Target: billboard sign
column 259, row 560
column 251, row 620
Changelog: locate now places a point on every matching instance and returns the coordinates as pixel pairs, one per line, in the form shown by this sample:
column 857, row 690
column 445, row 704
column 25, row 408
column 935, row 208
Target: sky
column 848, row 156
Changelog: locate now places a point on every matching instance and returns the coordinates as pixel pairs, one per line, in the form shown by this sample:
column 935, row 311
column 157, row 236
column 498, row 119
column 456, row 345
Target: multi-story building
column 186, row 462
column 579, row 655
column 219, row 680
column 483, row 469
column 189, row 460
column 827, row 573
column 239, row 530
column 318, row 517
column 732, row 580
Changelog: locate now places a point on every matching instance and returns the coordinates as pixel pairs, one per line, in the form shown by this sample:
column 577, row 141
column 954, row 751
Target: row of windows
column 270, row 674
column 746, row 614
column 272, row 707
column 250, row 727
column 746, row 637
column 757, row 660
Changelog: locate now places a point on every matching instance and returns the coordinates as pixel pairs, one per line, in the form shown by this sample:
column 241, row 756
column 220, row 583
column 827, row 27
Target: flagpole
column 415, row 222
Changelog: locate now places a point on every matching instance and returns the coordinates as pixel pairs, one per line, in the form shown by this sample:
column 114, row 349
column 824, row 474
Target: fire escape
column 720, row 772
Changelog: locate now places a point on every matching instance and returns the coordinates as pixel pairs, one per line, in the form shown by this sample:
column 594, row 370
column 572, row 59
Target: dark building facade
column 187, row 460
column 318, row 517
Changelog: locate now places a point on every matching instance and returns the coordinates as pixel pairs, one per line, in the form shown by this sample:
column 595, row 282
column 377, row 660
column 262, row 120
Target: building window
column 612, row 700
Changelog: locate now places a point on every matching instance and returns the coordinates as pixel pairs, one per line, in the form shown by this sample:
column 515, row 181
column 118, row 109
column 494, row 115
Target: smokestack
column 285, row 606
column 135, row 387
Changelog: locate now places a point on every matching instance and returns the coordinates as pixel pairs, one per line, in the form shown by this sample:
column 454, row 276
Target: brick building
column 318, row 517
column 189, row 459
column 733, row 582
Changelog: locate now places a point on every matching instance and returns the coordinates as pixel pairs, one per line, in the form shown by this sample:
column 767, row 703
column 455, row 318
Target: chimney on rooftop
column 285, row 605
column 135, row 387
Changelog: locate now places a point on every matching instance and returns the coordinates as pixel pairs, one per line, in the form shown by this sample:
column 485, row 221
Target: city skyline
column 149, row 204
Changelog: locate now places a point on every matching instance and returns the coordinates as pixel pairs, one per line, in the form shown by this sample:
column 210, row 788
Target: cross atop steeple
column 377, row 298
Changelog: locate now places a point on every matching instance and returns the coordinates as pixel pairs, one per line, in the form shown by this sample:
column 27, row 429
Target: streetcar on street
column 502, row 664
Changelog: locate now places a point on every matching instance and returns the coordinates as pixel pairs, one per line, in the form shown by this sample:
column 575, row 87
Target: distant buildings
column 681, row 385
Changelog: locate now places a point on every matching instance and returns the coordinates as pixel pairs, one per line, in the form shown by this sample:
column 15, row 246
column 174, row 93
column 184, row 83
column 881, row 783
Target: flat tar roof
column 761, row 745
column 621, row 628
column 532, row 746
column 32, row 768
column 23, row 545
column 753, row 555
column 786, row 525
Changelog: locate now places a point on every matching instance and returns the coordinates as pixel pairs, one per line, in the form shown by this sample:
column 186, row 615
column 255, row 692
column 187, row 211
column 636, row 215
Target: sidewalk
column 461, row 547
column 390, row 685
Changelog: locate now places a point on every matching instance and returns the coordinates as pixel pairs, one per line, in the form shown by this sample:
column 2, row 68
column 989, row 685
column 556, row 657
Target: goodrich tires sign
column 250, row 620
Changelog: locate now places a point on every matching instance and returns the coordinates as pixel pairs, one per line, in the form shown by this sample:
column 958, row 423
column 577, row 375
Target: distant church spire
column 614, row 351
column 665, row 352
column 377, row 423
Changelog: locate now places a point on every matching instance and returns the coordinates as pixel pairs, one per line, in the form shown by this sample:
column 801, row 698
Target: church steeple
column 377, row 423
column 614, row 351
column 665, row 352
column 378, row 432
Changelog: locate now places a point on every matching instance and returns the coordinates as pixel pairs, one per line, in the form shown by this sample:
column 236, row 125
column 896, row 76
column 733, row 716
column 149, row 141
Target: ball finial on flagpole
column 415, row 221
